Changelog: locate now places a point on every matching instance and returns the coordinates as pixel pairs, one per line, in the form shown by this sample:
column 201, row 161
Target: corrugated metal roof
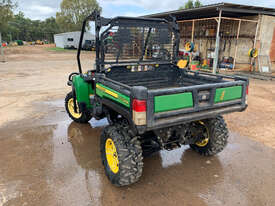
column 229, row 9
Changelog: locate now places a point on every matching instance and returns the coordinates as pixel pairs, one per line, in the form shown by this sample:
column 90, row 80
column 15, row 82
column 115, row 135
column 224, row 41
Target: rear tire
column 218, row 135
column 83, row 117
column 127, row 163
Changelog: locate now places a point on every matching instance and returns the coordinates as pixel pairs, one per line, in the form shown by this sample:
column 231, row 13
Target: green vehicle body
column 83, row 90
column 228, row 93
column 173, row 102
column 106, row 92
column 162, row 103
column 149, row 102
column 119, row 78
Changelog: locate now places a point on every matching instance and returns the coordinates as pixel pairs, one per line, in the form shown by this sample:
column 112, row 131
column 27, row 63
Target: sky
column 42, row 9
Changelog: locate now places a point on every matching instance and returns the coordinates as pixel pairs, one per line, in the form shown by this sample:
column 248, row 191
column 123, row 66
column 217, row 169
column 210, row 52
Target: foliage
column 20, row 27
column 73, row 12
column 190, row 4
column 197, row 4
column 6, row 13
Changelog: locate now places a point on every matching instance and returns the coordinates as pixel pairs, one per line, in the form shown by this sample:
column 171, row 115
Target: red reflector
column 247, row 89
column 139, row 105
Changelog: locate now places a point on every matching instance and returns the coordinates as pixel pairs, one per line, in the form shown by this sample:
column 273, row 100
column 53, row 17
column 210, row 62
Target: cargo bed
column 162, row 77
column 176, row 96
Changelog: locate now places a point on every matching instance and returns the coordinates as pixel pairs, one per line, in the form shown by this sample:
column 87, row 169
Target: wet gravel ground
column 45, row 159
column 54, row 161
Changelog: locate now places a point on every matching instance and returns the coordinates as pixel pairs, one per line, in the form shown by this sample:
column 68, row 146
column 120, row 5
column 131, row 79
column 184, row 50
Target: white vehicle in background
column 70, row 40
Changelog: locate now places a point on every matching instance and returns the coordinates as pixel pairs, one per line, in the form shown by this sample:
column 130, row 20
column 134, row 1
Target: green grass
column 57, row 49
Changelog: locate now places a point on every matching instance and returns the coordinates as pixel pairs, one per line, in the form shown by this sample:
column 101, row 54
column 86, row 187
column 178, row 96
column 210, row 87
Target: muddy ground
column 45, row 159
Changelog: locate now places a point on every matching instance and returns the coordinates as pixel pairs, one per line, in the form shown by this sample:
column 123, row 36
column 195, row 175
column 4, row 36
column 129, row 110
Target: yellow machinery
column 38, row 42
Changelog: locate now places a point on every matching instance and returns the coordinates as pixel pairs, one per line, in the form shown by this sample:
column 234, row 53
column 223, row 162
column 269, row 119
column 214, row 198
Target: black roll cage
column 102, row 22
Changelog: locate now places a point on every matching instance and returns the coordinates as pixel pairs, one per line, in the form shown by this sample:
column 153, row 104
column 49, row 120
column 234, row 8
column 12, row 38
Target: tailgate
column 167, row 107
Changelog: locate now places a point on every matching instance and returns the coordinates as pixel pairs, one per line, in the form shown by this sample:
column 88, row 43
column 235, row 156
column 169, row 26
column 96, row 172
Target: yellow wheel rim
column 111, row 155
column 71, row 109
column 205, row 141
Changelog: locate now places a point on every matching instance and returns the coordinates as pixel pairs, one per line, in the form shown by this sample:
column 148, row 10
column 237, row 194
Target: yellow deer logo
column 222, row 95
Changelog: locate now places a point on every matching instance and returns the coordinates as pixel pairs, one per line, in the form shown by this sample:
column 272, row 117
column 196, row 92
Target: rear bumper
column 189, row 117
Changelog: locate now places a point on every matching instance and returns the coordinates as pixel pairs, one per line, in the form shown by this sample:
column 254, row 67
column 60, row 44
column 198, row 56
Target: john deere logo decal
column 222, row 95
column 123, row 100
column 113, row 94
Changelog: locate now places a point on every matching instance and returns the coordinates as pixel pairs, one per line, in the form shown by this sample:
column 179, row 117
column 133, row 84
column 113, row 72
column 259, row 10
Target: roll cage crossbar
column 124, row 21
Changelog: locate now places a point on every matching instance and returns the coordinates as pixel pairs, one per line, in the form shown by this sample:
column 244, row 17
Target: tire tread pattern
column 85, row 117
column 218, row 137
column 129, row 154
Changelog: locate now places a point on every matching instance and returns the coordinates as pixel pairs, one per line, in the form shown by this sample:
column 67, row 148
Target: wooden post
column 253, row 61
column 192, row 40
column 236, row 45
column 217, row 47
column 2, row 49
column 193, row 28
column 256, row 33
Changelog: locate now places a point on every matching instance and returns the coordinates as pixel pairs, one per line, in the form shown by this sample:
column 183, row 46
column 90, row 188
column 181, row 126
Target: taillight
column 139, row 105
column 247, row 90
column 139, row 111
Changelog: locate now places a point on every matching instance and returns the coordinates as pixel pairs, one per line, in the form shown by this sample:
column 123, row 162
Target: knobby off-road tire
column 128, row 152
column 83, row 117
column 218, row 135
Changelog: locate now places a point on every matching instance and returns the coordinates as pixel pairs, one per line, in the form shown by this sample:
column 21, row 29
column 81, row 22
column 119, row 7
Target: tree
column 22, row 28
column 197, row 4
column 73, row 12
column 190, row 4
column 6, row 13
column 50, row 27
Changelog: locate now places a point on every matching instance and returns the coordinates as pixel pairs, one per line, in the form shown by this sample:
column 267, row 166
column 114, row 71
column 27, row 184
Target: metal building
column 226, row 32
column 71, row 39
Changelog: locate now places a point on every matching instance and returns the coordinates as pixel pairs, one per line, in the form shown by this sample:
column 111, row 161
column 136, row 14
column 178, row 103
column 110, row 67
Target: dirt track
column 47, row 160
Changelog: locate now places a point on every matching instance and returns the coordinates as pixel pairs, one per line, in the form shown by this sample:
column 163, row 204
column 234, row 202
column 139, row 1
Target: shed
column 71, row 39
column 226, row 31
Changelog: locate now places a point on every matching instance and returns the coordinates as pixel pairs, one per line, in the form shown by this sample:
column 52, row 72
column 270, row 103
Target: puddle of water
column 170, row 158
column 59, row 163
column 55, row 103
column 98, row 123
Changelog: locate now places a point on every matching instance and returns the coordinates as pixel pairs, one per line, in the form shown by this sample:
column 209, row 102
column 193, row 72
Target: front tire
column 216, row 138
column 82, row 117
column 121, row 156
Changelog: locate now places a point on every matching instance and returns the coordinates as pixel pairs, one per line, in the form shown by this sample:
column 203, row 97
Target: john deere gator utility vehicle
column 150, row 103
